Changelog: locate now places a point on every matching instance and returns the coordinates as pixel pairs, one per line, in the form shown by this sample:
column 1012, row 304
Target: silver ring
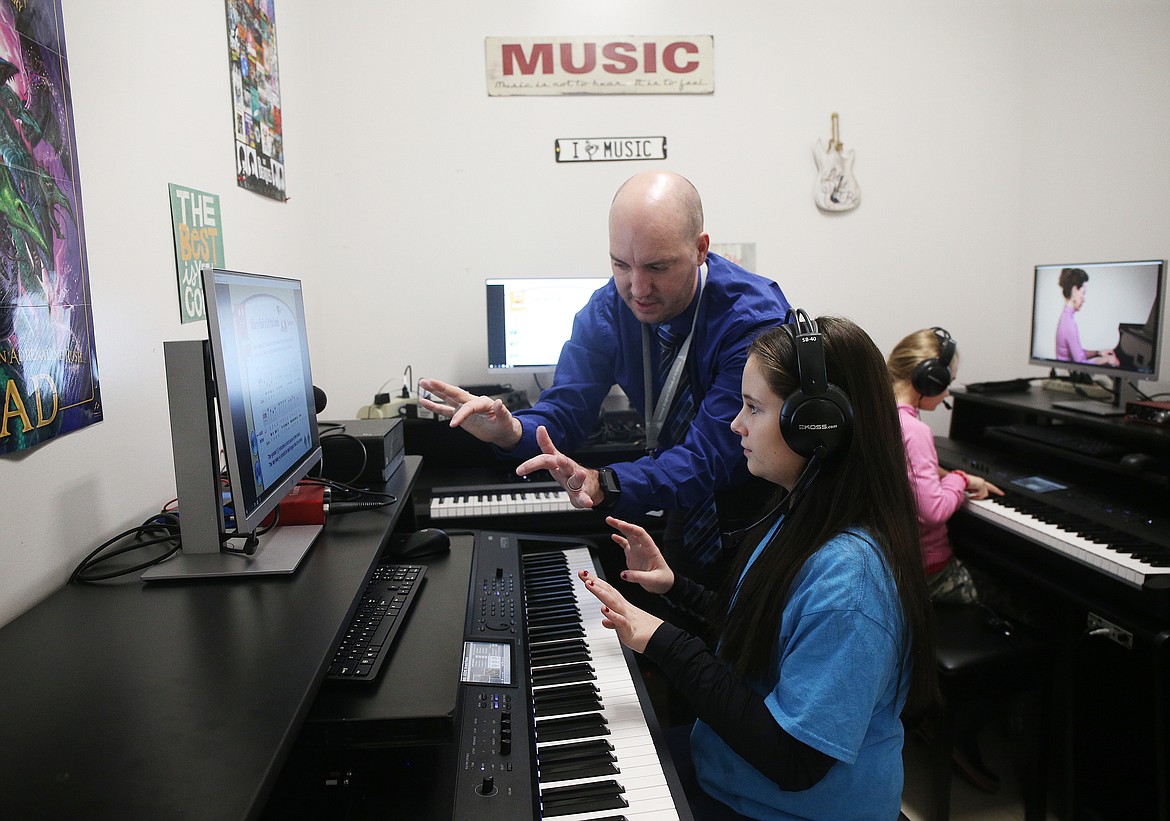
column 574, row 489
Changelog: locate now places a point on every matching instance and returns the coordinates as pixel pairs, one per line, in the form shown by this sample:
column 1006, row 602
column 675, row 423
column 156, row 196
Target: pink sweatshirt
column 937, row 499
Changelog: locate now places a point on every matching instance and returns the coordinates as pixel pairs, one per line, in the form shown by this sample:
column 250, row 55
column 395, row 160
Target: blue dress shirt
column 606, row 349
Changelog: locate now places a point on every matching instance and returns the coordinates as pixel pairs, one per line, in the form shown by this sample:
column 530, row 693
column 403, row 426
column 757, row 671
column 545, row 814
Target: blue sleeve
column 586, row 371
column 606, row 349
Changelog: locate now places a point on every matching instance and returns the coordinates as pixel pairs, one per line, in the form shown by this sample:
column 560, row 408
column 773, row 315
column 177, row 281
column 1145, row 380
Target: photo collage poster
column 48, row 363
column 256, row 97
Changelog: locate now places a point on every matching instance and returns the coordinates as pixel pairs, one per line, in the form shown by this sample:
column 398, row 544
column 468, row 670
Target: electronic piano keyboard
column 512, row 499
column 1076, row 554
column 1132, row 560
column 554, row 720
column 1123, row 541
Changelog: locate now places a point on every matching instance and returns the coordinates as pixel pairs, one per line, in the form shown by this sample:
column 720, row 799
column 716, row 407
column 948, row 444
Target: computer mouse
column 426, row 542
column 1140, row 461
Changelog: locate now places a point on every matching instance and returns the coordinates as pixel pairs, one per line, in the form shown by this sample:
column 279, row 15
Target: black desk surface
column 175, row 700
column 414, row 698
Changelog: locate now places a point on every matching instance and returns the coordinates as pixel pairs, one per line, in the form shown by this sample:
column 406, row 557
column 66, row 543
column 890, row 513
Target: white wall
column 990, row 135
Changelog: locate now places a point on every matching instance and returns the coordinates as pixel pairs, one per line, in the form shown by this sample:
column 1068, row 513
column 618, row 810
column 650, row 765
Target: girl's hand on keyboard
column 645, row 562
column 979, row 488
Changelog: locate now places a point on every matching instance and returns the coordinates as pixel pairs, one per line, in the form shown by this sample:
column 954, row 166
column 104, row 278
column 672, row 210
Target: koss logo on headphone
column 933, row 376
column 818, row 416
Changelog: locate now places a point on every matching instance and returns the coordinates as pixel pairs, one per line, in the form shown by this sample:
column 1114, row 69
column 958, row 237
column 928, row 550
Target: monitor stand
column 1122, row 394
column 279, row 552
column 195, row 445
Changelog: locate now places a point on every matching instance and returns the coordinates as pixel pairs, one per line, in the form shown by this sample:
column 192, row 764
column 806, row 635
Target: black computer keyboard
column 1059, row 437
column 382, row 610
column 1001, row 386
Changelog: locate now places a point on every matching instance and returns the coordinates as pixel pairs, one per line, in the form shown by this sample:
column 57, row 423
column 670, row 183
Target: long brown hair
column 865, row 487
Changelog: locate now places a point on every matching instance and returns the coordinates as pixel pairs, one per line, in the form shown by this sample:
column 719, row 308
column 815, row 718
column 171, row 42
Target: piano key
column 625, row 730
column 494, row 500
column 1121, row 565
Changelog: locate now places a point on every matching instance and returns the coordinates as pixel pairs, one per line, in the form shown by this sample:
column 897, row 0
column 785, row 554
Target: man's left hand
column 579, row 482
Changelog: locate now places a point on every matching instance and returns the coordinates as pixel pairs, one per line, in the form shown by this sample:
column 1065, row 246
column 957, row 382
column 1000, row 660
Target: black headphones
column 933, row 376
column 818, row 416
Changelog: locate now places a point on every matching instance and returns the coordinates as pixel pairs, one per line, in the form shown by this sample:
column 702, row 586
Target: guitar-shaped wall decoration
column 836, row 188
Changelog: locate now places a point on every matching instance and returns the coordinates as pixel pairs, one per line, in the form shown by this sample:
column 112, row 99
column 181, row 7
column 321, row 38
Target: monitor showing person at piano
column 1099, row 318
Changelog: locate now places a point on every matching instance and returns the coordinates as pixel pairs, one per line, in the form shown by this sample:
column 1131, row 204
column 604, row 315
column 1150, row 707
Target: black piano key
column 559, row 604
column 564, row 623
column 577, row 751
column 589, row 789
column 569, row 770
column 557, row 584
column 545, row 558
column 538, row 570
column 567, row 691
column 548, row 587
column 557, row 616
column 572, row 703
column 563, row 729
column 590, row 797
column 550, row 633
column 564, row 626
column 563, row 674
column 561, row 656
column 568, row 646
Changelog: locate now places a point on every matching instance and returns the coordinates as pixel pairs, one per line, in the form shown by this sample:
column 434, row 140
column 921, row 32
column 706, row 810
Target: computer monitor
column 1099, row 318
column 252, row 374
column 529, row 319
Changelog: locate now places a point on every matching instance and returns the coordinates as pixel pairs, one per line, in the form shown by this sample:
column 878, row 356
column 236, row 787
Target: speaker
column 818, row 416
column 362, row 450
column 933, row 376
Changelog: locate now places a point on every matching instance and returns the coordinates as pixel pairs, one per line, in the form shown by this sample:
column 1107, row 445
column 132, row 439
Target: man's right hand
column 486, row 419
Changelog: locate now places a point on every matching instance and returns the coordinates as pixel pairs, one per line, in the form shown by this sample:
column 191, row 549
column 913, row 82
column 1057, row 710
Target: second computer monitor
column 529, row 319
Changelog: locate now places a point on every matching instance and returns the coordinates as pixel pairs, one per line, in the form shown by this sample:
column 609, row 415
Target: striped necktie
column 701, row 525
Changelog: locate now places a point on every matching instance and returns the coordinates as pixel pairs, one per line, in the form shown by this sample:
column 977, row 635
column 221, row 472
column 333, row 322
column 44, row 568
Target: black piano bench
column 978, row 657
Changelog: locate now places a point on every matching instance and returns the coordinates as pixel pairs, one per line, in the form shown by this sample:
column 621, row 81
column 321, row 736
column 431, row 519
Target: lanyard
column 656, row 414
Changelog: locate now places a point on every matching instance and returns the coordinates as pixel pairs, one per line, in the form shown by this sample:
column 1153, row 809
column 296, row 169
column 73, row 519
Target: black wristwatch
column 610, row 487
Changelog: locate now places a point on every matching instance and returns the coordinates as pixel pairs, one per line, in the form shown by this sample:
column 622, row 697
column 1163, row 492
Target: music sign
column 529, row 66
column 607, row 149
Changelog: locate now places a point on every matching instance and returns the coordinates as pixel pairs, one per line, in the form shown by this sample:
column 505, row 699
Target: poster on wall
column 256, row 96
column 530, row 66
column 198, row 245
column 48, row 364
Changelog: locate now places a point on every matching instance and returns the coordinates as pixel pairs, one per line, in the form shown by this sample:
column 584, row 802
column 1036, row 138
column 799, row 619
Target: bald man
column 666, row 285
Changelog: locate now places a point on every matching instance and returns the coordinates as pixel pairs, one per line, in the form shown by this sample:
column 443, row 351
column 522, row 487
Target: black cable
column 352, row 493
column 1140, row 394
column 338, row 434
column 167, row 522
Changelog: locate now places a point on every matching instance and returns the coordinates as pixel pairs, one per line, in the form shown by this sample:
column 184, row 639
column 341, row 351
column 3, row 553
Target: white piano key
column 519, row 502
column 1124, row 567
column 637, row 758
